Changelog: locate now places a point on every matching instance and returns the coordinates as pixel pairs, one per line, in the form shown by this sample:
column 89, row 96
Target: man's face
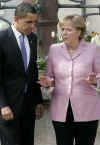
column 26, row 25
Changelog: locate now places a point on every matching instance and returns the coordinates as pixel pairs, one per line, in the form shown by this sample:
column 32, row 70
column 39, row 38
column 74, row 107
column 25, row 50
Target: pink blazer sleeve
column 49, row 68
column 96, row 65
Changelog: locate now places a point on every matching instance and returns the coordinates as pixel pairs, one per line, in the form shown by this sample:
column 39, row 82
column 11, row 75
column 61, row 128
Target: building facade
column 93, row 21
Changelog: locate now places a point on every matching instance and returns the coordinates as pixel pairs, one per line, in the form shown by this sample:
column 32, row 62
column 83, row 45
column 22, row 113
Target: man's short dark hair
column 23, row 8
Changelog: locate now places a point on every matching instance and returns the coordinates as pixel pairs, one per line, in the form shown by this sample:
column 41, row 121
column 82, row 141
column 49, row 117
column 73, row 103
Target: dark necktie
column 23, row 51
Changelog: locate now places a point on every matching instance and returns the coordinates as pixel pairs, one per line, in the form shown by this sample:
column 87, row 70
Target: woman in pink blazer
column 73, row 68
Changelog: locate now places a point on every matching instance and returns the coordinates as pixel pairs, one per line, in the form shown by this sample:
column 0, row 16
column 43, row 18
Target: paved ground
column 44, row 133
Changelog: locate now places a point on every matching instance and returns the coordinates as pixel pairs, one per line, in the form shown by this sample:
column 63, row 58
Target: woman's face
column 70, row 34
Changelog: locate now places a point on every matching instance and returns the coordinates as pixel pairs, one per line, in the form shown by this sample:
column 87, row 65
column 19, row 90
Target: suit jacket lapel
column 78, row 52
column 64, row 51
column 14, row 47
column 16, row 50
column 31, row 54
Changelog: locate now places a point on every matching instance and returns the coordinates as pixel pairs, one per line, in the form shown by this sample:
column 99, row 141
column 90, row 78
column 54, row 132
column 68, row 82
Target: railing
column 3, row 7
column 81, row 4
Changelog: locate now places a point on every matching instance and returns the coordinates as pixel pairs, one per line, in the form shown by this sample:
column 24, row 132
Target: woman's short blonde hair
column 77, row 21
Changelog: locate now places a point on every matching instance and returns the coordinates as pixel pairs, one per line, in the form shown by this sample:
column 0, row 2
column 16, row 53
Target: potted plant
column 41, row 62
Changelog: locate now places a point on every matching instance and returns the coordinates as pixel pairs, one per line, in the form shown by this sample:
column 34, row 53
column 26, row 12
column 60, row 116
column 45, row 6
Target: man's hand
column 7, row 113
column 39, row 111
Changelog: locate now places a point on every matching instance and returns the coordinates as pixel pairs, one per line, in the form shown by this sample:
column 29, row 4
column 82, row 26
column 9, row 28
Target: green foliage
column 88, row 38
column 41, row 62
column 40, row 6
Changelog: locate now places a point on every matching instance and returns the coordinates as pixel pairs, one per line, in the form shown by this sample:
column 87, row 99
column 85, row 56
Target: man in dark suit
column 20, row 95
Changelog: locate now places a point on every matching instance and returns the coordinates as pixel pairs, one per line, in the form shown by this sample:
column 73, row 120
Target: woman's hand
column 92, row 79
column 45, row 81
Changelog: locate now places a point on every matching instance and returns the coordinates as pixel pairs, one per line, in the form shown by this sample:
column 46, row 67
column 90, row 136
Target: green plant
column 88, row 38
column 41, row 62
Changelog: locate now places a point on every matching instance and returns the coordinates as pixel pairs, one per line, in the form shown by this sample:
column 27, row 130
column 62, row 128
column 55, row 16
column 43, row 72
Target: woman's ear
column 79, row 33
